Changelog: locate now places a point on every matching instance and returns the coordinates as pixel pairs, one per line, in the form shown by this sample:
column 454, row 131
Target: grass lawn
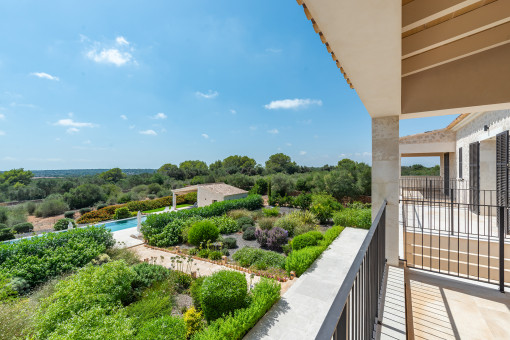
column 161, row 209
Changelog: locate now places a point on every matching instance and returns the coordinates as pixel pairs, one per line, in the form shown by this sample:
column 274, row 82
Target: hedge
column 25, row 227
column 263, row 296
column 39, row 259
column 154, row 225
column 350, row 217
column 108, row 213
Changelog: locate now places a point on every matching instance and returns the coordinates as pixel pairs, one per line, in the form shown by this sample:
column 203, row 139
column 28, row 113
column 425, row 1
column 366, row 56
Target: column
column 174, row 200
column 385, row 179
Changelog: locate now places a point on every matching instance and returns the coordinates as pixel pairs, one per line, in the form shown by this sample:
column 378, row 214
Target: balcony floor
column 448, row 308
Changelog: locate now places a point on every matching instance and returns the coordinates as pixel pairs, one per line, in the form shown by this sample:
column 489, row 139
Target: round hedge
column 202, row 232
column 229, row 243
column 249, row 234
column 63, row 223
column 222, row 293
column 24, row 227
column 69, row 214
column 242, row 221
column 308, row 239
column 165, row 327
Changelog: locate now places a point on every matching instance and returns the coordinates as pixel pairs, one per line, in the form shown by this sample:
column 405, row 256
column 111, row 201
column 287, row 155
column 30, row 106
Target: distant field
column 85, row 172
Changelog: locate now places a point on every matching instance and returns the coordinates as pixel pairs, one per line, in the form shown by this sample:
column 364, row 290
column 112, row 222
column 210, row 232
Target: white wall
column 206, row 197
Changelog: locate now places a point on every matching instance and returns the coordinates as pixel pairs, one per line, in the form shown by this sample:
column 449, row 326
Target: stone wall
column 436, row 136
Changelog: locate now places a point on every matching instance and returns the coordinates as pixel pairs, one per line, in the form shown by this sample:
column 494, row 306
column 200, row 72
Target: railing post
column 501, row 212
column 451, row 213
column 342, row 328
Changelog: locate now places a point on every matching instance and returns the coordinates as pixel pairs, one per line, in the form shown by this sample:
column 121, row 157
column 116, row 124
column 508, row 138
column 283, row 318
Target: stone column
column 174, row 200
column 385, row 179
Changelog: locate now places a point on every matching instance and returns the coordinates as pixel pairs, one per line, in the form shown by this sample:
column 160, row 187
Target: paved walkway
column 124, row 239
column 302, row 309
column 449, row 308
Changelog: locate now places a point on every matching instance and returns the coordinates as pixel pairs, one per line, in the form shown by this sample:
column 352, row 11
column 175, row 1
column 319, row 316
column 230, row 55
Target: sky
column 137, row 84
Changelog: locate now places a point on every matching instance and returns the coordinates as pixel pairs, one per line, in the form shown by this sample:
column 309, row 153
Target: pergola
column 182, row 191
column 415, row 58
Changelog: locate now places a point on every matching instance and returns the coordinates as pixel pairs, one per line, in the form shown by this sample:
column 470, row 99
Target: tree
column 84, row 195
column 280, row 162
column 243, row 164
column 172, row 171
column 113, row 175
column 240, row 181
column 281, row 184
column 193, row 168
column 16, row 177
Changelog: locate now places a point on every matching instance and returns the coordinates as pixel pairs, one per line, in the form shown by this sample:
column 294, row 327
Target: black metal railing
column 355, row 309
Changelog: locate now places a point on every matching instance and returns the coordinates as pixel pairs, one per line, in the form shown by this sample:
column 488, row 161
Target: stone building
column 211, row 193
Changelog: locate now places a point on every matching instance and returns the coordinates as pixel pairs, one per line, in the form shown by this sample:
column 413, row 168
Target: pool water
column 121, row 225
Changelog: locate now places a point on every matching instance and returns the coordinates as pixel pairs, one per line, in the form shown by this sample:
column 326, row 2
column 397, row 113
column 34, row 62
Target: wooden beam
column 483, row 18
column 467, row 46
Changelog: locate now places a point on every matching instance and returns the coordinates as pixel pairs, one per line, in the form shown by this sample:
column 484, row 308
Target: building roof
column 219, row 188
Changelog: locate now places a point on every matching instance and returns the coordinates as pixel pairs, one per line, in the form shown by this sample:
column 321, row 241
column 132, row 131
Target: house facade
column 210, row 193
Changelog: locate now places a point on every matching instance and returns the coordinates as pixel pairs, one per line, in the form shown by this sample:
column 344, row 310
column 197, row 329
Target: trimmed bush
column 21, row 228
column 308, row 239
column 266, row 223
column 85, row 210
column 233, row 327
column 247, row 257
column 271, row 212
column 222, row 293
column 225, row 224
column 63, row 224
column 244, row 220
column 272, row 239
column 165, row 327
column 121, row 213
column 6, row 234
column 229, row 243
column 69, row 214
column 299, row 260
column 203, row 231
column 246, row 226
column 249, row 234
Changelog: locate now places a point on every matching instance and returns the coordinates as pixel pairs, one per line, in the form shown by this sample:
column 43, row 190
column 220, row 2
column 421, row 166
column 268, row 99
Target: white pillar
column 174, row 201
column 385, row 179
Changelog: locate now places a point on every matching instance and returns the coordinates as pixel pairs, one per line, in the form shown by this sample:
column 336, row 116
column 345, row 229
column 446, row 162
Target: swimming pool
column 122, row 224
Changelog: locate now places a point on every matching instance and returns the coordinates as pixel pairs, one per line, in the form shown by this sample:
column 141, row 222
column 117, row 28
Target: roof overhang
column 419, row 58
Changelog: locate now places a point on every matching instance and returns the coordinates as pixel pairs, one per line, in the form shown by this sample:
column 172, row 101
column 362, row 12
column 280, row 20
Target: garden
column 273, row 242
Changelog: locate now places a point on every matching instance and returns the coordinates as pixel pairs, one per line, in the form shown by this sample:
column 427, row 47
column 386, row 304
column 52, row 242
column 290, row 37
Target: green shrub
column 195, row 292
column 154, row 224
column 69, row 214
column 330, row 235
column 229, row 243
column 238, row 213
column 215, row 255
column 203, row 253
column 85, row 210
column 155, row 301
column 249, row 234
column 246, row 226
column 147, row 274
column 121, row 213
column 225, row 224
column 30, row 208
column 247, row 257
column 51, row 207
column 130, row 257
column 106, row 286
column 266, row 223
column 303, row 201
column 222, row 293
column 244, row 220
column 349, row 217
column 193, row 320
column 299, row 260
column 225, row 252
column 193, row 251
column 233, row 327
column 308, row 239
column 271, row 212
column 39, row 259
column 323, row 206
column 63, row 224
column 101, row 206
column 203, row 231
column 6, row 234
column 191, row 197
column 182, row 281
column 165, row 327
column 23, row 228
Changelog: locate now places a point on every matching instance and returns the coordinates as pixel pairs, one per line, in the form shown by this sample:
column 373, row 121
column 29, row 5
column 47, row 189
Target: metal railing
column 355, row 309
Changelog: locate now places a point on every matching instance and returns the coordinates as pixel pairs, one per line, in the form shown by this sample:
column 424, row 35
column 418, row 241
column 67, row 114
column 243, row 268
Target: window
column 460, row 162
column 214, row 201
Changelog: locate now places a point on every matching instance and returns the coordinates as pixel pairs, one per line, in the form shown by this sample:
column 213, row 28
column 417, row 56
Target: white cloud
column 302, row 153
column 148, row 132
column 122, row 41
column 44, row 75
column 2, row 116
column 273, row 131
column 110, row 56
column 71, row 123
column 233, row 112
column 209, row 95
column 160, row 115
column 123, row 117
column 292, row 104
column 2, row 133
column 205, row 135
column 72, row 130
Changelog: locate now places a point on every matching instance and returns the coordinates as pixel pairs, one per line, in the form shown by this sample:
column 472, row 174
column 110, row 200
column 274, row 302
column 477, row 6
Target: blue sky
column 136, row 84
